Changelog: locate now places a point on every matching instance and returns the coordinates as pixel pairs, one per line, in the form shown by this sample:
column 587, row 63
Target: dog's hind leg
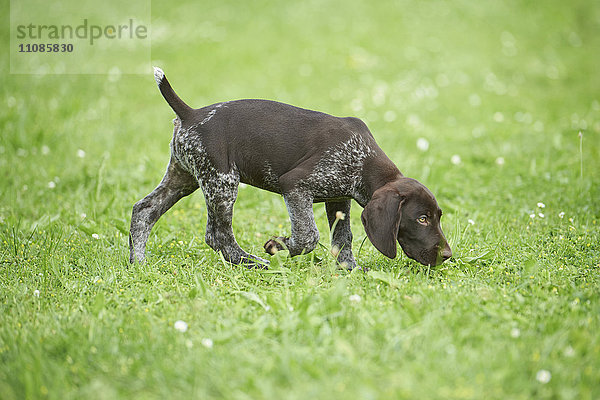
column 220, row 192
column 176, row 184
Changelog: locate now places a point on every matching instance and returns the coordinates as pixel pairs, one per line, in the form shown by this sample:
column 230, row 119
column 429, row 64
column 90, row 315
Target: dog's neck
column 377, row 172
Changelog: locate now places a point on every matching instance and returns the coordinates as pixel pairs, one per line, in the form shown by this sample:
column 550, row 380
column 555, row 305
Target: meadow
column 495, row 106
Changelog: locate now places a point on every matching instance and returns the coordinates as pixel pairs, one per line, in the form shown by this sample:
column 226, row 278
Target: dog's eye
column 422, row 220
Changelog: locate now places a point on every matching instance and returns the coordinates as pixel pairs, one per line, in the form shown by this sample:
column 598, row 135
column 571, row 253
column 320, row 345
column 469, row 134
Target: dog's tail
column 181, row 109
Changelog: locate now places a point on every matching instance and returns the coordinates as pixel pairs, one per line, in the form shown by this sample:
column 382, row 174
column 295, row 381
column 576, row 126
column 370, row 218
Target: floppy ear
column 381, row 219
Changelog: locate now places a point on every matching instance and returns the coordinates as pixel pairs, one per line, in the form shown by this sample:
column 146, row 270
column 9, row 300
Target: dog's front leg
column 305, row 235
column 341, row 237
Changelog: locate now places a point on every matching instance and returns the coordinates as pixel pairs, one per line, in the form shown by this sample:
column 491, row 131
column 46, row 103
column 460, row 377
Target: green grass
column 514, row 80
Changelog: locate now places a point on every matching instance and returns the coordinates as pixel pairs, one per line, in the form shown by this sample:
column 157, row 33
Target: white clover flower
column 474, row 100
column 180, row 326
column 561, row 214
column 471, row 222
column 569, row 351
column 45, row 150
column 575, row 302
column 81, row 153
column 340, row 215
column 207, row 342
column 355, row 298
column 543, row 376
column 36, row 293
column 515, row 333
column 455, row 159
column 451, row 349
column 51, row 185
column 500, row 161
column 541, row 205
column 95, row 236
column 422, row 144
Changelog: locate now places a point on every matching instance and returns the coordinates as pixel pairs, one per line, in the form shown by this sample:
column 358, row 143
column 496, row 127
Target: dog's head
column 406, row 211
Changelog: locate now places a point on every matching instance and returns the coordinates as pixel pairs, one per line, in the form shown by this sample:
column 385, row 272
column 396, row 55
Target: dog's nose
column 447, row 252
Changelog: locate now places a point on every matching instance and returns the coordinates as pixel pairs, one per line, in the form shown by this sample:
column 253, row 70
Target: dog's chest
column 339, row 171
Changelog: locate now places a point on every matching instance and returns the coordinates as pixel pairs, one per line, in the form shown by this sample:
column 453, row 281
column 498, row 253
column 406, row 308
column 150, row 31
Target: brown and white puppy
column 306, row 156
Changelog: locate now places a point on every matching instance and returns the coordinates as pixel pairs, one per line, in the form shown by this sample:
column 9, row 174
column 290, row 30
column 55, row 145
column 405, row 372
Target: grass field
column 495, row 94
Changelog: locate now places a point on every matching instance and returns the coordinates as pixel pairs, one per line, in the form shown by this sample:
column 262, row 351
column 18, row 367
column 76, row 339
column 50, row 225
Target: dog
column 305, row 156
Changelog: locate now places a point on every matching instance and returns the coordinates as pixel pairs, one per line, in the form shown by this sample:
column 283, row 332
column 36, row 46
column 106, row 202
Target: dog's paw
column 274, row 245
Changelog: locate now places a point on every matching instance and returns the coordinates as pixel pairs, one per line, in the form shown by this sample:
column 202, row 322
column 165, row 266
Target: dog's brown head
column 406, row 211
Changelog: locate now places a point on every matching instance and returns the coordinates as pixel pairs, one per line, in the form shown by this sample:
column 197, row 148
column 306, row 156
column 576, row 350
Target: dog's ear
column 381, row 219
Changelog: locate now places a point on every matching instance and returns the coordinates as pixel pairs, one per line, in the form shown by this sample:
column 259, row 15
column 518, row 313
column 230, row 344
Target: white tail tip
column 158, row 75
